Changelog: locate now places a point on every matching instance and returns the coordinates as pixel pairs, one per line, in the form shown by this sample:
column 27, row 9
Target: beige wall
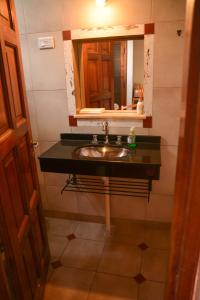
column 46, row 90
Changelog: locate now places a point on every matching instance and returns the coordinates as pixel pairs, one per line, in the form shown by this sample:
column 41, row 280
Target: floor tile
column 150, row 290
column 157, row 236
column 91, row 231
column 120, row 259
column 154, row 264
column 107, row 287
column 71, row 237
column 83, row 254
column 70, row 284
column 56, row 264
column 143, row 246
column 61, row 227
column 139, row 278
column 127, row 232
column 57, row 245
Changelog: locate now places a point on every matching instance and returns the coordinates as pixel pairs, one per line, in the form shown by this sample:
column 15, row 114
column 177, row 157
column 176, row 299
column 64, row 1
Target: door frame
column 185, row 239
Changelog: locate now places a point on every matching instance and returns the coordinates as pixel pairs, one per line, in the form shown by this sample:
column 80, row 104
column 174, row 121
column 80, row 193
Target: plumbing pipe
column 107, row 203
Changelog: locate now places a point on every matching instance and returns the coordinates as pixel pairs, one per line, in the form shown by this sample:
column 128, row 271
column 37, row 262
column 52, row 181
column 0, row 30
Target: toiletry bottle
column 140, row 107
column 131, row 138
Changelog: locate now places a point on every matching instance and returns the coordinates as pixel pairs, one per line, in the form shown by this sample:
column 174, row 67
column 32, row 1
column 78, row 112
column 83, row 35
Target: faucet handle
column 119, row 140
column 105, row 126
column 95, row 139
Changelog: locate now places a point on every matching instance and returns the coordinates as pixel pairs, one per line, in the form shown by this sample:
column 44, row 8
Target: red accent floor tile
column 139, row 278
column 143, row 246
column 71, row 237
column 56, row 264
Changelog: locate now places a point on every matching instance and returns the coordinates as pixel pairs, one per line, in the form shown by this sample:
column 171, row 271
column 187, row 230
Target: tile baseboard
column 97, row 219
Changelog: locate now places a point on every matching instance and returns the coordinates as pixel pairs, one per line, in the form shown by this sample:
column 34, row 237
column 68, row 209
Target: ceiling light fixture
column 101, row 3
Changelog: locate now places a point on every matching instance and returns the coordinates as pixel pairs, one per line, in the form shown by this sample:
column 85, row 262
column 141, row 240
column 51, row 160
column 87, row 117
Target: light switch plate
column 46, row 42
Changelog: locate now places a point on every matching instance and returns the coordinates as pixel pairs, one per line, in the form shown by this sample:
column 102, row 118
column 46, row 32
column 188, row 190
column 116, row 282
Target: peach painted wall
column 46, row 90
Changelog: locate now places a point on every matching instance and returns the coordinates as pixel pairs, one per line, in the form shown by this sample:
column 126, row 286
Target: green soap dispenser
column 131, row 138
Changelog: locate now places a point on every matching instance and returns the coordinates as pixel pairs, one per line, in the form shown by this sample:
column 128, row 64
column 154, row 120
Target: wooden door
column 120, row 71
column 98, row 74
column 20, row 205
column 185, row 244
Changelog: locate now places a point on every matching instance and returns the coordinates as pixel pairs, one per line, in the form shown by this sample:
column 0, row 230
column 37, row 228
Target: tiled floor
column 88, row 264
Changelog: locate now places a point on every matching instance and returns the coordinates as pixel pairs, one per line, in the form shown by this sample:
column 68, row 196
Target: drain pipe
column 107, row 203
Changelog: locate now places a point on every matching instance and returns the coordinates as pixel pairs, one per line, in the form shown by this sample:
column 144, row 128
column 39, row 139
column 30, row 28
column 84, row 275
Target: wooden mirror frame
column 70, row 42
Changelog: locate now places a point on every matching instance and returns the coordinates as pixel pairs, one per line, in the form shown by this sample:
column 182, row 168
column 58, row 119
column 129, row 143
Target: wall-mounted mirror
column 111, row 73
column 109, row 69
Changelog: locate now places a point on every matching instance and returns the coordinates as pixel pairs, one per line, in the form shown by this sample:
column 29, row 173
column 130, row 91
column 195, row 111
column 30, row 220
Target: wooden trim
column 107, row 31
column 66, row 35
column 75, row 100
column 185, row 242
column 149, row 28
column 112, row 114
column 147, row 122
column 72, row 121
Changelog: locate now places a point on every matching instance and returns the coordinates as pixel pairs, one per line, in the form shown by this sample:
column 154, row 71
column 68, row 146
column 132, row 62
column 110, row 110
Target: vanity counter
column 143, row 162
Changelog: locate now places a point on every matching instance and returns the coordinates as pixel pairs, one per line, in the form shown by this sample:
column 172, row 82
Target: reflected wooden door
column 120, row 71
column 20, row 205
column 98, row 74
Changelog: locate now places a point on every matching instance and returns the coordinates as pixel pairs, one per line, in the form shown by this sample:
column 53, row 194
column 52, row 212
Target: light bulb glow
column 101, row 3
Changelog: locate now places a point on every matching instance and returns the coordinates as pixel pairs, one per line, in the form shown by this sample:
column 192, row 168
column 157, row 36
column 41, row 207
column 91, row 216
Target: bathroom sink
column 102, row 151
column 74, row 154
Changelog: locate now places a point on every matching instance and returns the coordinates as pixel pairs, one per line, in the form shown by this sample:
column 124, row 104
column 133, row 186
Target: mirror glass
column 111, row 73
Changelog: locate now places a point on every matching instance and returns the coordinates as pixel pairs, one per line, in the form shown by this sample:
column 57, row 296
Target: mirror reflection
column 111, row 73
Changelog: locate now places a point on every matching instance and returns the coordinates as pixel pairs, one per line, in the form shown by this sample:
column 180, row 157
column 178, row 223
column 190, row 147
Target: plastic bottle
column 140, row 107
column 131, row 138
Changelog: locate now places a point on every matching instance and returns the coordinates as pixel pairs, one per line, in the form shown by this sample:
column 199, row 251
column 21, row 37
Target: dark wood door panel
column 6, row 16
column 8, row 265
column 14, row 82
column 4, row 9
column 29, row 260
column 93, row 84
column 37, row 231
column 91, row 47
column 26, row 168
column 24, row 228
column 16, row 202
column 94, row 103
column 106, row 76
column 107, row 103
column 98, row 74
column 3, row 288
column 3, row 112
column 7, row 142
column 14, row 233
column 105, row 48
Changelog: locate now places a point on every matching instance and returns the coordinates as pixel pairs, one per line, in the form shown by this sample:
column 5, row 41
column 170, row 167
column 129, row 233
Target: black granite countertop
column 142, row 162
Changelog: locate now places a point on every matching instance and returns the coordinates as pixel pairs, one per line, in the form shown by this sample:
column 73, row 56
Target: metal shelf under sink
column 89, row 184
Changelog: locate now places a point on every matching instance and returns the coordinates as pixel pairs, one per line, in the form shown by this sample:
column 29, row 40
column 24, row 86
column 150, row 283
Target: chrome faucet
column 105, row 128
